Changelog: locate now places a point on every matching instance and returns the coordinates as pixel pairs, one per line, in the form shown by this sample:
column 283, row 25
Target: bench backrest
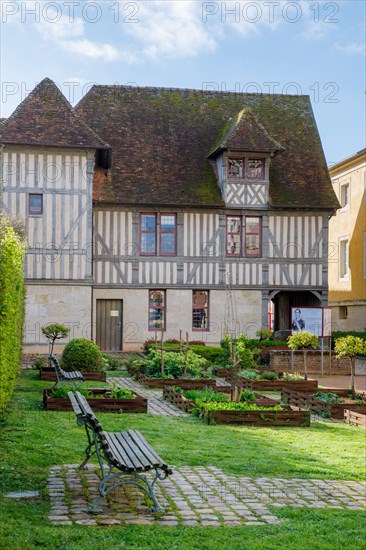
column 59, row 371
column 86, row 416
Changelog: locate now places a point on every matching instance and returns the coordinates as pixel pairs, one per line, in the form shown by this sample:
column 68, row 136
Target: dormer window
column 235, row 167
column 246, row 168
column 255, row 169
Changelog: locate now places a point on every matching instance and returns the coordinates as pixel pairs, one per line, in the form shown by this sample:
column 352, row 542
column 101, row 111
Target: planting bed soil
column 187, row 405
column 184, row 383
column 48, row 373
column 101, row 404
column 334, row 410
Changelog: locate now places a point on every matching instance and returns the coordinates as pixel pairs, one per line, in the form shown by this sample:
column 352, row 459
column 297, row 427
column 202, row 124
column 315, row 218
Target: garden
column 232, row 430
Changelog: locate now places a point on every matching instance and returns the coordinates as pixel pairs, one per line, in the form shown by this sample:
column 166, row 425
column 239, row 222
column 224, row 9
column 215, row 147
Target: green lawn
column 32, row 440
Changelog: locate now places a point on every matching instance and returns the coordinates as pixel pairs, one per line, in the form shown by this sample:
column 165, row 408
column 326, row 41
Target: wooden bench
column 123, row 457
column 63, row 375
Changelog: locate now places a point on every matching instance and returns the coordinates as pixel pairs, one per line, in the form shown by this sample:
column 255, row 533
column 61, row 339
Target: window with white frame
column 344, row 195
column 344, row 259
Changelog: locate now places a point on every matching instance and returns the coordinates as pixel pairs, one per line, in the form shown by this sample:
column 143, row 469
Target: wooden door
column 109, row 325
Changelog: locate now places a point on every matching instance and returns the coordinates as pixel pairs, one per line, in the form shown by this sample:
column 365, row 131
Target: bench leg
column 138, row 480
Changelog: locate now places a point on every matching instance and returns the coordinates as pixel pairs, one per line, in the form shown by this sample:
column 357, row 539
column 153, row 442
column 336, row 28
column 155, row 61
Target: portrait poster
column 307, row 318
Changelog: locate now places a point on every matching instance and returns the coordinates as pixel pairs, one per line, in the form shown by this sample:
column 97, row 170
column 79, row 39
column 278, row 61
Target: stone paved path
column 156, row 404
column 199, row 496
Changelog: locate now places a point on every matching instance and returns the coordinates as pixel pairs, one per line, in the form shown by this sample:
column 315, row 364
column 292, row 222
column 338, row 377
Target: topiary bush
column 82, row 354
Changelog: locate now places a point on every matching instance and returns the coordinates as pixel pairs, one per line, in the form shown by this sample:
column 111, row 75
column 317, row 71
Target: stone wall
column 287, row 361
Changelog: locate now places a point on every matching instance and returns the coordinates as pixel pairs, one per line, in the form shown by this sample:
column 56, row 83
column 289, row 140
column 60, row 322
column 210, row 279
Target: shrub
column 269, row 375
column 12, row 298
column 82, row 354
column 174, row 364
column 264, row 334
column 242, row 351
column 111, row 363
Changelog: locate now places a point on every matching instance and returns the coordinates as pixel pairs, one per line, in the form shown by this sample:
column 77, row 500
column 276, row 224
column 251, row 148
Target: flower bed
column 48, row 373
column 316, row 405
column 98, row 401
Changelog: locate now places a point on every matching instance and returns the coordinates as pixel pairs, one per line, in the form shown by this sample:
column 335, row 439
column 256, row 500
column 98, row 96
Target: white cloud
column 170, row 30
column 90, row 49
column 354, row 48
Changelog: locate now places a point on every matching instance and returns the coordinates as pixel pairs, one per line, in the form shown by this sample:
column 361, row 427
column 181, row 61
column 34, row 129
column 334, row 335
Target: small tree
column 53, row 332
column 350, row 346
column 303, row 340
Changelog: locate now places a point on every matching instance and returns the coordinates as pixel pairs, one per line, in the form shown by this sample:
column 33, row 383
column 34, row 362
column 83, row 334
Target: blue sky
column 309, row 47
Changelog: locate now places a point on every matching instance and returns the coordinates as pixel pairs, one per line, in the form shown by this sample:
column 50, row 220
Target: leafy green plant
column 248, row 395
column 206, row 394
column 39, row 363
column 268, row 375
column 328, row 397
column 111, row 363
column 62, row 391
column 240, row 349
column 350, row 346
column 264, row 334
column 12, row 306
column 249, row 374
column 83, row 355
column 232, row 406
column 174, row 364
column 117, row 392
column 53, row 332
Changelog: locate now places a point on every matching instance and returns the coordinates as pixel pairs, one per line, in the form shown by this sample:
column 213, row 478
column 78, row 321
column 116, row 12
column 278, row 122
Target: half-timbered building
column 154, row 209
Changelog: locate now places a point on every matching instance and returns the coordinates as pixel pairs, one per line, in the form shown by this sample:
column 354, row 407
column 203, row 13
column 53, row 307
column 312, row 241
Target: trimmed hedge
column 82, row 354
column 12, row 308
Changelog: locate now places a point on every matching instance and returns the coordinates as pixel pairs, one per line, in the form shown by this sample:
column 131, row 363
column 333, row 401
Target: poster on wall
column 316, row 320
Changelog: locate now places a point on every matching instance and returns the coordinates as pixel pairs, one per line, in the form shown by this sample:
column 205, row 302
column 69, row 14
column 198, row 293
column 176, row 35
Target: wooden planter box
column 107, row 404
column 48, row 373
column 335, row 410
column 187, row 405
column 287, row 417
column 304, row 386
column 354, row 417
column 184, row 383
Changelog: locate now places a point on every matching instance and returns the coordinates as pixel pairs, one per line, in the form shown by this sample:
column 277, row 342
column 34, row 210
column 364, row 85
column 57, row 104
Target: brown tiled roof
column 160, row 140
column 245, row 133
column 46, row 118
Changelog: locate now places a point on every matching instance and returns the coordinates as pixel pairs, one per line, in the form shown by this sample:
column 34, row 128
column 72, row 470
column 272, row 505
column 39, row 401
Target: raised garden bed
column 354, row 417
column 184, row 383
column 304, row 386
column 187, row 405
column 48, row 373
column 287, row 417
column 101, row 404
column 333, row 410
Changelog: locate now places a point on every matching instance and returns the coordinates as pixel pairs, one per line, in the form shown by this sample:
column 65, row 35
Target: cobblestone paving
column 156, row 404
column 200, row 496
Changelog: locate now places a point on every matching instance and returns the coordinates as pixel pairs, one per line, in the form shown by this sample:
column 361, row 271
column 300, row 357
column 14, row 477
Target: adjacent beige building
column 347, row 245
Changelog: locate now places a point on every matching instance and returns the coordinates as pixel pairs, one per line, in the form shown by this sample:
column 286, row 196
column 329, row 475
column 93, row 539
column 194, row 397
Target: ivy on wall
column 12, row 306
